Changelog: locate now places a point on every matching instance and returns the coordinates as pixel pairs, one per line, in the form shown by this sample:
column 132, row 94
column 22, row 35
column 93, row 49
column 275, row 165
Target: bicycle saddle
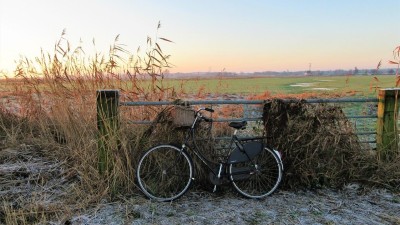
column 238, row 125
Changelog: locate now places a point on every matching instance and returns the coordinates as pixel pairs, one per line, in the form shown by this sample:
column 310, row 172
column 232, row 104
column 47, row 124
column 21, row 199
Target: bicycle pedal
column 215, row 188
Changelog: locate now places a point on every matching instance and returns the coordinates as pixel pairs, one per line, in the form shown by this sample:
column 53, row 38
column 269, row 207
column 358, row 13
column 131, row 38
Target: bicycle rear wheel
column 164, row 173
column 259, row 177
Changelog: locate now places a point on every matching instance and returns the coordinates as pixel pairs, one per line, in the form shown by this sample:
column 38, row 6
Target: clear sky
column 213, row 35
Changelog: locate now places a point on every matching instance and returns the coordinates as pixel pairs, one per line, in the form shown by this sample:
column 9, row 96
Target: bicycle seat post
column 238, row 126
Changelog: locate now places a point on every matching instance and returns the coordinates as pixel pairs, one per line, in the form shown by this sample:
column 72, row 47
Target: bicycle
column 165, row 172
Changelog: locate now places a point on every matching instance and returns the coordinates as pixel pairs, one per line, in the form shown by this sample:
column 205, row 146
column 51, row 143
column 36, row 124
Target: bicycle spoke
column 263, row 178
column 164, row 173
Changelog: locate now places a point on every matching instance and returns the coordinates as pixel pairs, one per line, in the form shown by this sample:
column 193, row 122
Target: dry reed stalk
column 396, row 61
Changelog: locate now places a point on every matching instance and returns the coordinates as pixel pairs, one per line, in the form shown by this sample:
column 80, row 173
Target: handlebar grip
column 209, row 110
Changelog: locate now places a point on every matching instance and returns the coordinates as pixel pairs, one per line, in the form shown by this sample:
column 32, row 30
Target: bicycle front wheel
column 164, row 173
column 259, row 177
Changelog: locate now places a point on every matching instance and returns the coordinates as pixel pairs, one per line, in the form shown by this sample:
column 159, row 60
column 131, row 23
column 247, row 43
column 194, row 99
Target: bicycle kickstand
column 218, row 176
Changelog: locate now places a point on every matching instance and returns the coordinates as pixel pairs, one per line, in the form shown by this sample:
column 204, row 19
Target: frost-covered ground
column 28, row 179
column 348, row 206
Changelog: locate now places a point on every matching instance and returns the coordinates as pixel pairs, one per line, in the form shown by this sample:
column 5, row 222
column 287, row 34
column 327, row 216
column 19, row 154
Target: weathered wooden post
column 107, row 125
column 387, row 138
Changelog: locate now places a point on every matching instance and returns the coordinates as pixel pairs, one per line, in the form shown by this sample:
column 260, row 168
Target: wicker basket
column 182, row 116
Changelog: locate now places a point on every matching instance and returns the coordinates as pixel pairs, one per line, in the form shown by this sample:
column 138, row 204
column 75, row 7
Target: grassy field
column 362, row 85
column 359, row 85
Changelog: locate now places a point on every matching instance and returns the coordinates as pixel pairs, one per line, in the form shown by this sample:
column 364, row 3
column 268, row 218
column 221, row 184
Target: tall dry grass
column 52, row 104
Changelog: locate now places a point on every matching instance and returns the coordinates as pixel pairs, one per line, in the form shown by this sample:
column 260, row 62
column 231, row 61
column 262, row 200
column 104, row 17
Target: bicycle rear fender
column 250, row 150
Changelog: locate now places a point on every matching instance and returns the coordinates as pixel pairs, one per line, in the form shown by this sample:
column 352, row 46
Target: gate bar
column 250, row 102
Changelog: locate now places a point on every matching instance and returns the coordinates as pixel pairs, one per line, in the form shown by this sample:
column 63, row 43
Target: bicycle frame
column 190, row 135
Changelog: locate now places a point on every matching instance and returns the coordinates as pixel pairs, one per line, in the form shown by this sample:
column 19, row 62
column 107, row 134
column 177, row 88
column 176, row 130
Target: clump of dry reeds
column 51, row 104
column 320, row 147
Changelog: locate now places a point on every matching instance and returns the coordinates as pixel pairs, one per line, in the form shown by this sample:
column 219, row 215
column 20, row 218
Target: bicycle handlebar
column 209, row 110
column 207, row 119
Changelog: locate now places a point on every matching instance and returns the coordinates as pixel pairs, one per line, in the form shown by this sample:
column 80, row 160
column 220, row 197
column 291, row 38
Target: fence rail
column 386, row 114
column 249, row 102
column 365, row 136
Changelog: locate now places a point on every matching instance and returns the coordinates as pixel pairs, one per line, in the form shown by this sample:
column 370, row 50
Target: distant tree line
column 338, row 72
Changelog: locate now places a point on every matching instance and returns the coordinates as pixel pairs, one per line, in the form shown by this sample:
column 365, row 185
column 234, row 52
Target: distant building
column 308, row 72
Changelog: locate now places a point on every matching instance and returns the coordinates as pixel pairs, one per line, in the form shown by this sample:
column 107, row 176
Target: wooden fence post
column 107, row 125
column 387, row 138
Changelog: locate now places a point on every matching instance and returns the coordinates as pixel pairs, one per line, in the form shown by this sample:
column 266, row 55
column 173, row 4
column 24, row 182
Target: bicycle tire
column 164, row 173
column 259, row 177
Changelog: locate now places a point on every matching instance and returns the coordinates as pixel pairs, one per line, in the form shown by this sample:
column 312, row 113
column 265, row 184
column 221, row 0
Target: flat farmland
column 355, row 85
column 361, row 85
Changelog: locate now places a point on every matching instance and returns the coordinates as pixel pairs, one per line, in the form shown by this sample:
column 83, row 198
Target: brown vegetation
column 50, row 106
column 320, row 148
